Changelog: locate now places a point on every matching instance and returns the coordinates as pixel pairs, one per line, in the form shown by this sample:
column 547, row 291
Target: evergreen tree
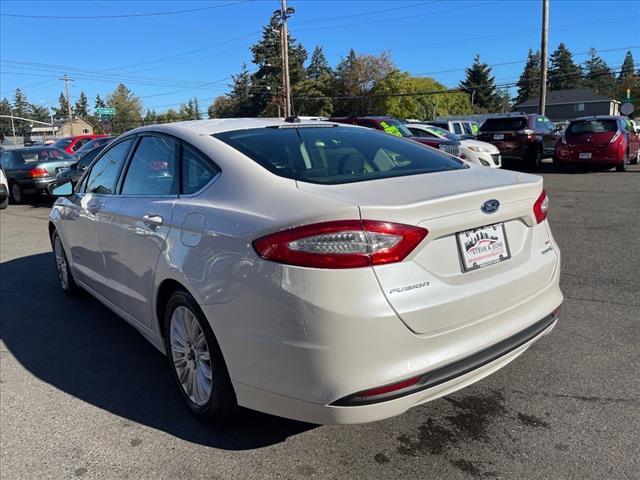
column 38, row 112
column 480, row 85
column 196, row 109
column 563, row 72
column 20, row 104
column 597, row 74
column 99, row 103
column 62, row 110
column 529, row 81
column 221, row 107
column 241, row 95
column 627, row 67
column 5, row 123
column 150, row 118
column 318, row 65
column 128, row 109
column 81, row 107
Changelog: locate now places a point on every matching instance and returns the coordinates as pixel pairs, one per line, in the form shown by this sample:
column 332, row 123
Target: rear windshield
column 62, row 143
column 592, row 126
column 507, row 123
column 334, row 155
column 43, row 155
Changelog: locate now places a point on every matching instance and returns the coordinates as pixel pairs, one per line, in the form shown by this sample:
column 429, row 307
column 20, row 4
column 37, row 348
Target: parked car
column 73, row 144
column 75, row 171
column 91, row 144
column 395, row 127
column 464, row 128
column 4, row 190
column 365, row 276
column 473, row 151
column 31, row 170
column 598, row 140
column 525, row 139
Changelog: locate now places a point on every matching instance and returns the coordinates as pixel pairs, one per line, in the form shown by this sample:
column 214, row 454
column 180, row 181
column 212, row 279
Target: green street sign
column 106, row 111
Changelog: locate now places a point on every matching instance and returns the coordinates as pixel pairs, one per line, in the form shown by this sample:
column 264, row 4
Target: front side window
column 457, row 128
column 197, row 170
column 104, row 174
column 153, row 168
column 335, row 155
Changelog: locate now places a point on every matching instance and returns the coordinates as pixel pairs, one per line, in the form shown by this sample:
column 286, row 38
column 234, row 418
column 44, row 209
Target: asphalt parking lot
column 84, row 395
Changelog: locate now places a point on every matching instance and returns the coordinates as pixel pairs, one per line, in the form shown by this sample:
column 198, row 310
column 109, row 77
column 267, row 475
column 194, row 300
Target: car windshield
column 335, row 155
column 505, row 123
column 395, row 127
column 43, row 155
column 63, row 143
column 443, row 133
column 592, row 126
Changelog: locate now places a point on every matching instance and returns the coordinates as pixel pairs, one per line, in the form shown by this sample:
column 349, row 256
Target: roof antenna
column 293, row 119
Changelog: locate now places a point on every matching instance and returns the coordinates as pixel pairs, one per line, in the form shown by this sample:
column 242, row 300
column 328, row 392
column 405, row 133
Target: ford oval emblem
column 490, row 206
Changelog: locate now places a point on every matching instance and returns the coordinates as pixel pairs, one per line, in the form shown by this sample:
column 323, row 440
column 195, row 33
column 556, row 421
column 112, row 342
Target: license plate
column 498, row 136
column 585, row 155
column 483, row 246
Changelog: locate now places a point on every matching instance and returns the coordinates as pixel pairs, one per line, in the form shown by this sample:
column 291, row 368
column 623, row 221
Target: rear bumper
column 36, row 186
column 341, row 414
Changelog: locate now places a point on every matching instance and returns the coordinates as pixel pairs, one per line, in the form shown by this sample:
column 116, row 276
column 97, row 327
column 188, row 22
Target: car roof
column 601, row 117
column 219, row 125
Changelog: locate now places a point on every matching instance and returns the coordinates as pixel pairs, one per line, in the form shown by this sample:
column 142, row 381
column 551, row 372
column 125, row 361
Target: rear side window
column 197, row 170
column 592, row 126
column 104, row 174
column 467, row 128
column 335, row 155
column 153, row 168
column 506, row 124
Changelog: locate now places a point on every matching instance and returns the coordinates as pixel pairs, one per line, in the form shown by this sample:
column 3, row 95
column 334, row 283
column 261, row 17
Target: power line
column 362, row 14
column 124, row 15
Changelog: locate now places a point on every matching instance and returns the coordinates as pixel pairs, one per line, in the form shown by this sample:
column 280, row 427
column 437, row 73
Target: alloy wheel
column 190, row 355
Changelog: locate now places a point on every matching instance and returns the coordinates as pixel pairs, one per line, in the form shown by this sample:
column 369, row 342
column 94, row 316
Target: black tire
column 16, row 194
column 221, row 404
column 65, row 278
column 4, row 204
column 536, row 159
column 636, row 160
column 559, row 166
column 622, row 167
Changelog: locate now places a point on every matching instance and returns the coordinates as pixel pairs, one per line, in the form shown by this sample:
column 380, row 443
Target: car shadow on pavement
column 78, row 346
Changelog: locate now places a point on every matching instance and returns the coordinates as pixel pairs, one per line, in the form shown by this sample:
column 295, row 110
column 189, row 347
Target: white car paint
column 4, row 187
column 474, row 151
column 299, row 342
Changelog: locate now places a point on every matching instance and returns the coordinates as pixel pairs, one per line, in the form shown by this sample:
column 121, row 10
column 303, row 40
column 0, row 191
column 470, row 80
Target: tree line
column 359, row 84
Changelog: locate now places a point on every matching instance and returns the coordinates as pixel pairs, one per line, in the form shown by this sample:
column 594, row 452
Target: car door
column 86, row 222
column 634, row 139
column 141, row 217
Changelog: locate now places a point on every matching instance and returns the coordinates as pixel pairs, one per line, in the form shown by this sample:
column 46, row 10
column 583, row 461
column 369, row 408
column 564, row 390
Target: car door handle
column 152, row 220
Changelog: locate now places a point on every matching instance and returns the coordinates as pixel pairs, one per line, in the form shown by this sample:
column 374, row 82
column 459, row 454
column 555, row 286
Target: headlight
column 473, row 148
column 483, row 163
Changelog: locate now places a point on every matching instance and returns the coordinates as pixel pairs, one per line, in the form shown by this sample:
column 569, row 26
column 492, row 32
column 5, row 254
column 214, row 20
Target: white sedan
column 482, row 153
column 317, row 271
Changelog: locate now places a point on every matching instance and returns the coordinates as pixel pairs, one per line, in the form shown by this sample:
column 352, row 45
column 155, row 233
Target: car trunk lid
column 429, row 290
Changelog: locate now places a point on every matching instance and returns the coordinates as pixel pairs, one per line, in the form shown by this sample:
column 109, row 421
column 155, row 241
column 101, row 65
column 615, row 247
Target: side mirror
column 63, row 189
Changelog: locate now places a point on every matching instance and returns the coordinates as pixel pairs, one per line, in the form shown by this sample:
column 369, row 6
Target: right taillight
column 541, row 207
column 341, row 244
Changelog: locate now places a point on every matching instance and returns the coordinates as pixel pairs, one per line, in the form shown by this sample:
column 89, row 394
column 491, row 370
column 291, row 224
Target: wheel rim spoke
column 190, row 355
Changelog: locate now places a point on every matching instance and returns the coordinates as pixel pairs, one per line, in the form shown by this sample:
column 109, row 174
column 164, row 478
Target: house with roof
column 563, row 105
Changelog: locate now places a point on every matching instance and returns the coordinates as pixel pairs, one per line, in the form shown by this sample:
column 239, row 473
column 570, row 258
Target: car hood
column 477, row 143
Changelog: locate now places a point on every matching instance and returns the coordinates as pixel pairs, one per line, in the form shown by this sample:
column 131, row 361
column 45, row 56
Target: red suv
column 396, row 127
column 71, row 144
column 526, row 139
column 599, row 140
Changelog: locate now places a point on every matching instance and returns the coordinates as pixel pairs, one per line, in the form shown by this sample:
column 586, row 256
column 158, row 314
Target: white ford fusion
column 316, row 271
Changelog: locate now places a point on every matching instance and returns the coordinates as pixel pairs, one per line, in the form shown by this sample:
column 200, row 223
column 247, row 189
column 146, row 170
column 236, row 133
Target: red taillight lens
column 39, row 172
column 389, row 388
column 541, row 207
column 341, row 244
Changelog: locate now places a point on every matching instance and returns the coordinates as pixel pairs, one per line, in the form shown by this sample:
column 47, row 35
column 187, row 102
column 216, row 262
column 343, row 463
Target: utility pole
column 543, row 57
column 66, row 84
column 284, row 42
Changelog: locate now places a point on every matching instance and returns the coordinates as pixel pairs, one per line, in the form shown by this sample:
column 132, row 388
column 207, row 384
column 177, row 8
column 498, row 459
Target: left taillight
column 341, row 244
column 541, row 207
column 38, row 172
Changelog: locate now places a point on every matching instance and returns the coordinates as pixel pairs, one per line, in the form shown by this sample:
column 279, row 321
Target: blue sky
column 165, row 59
